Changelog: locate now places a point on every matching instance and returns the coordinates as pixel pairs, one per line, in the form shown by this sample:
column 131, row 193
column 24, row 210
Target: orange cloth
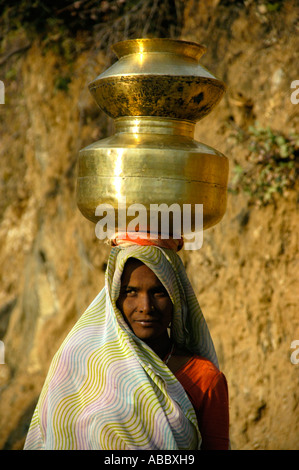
column 127, row 238
column 208, row 393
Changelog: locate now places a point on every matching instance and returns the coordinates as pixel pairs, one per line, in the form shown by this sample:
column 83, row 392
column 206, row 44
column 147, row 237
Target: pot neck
column 154, row 125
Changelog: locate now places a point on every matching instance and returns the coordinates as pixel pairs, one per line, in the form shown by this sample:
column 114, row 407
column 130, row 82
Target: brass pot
column 157, row 77
column 155, row 93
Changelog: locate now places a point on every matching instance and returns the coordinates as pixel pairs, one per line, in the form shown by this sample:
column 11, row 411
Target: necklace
column 169, row 354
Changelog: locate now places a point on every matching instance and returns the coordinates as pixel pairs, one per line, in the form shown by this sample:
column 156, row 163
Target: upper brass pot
column 155, row 94
column 157, row 77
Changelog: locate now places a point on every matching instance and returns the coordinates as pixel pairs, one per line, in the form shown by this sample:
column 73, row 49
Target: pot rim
column 159, row 45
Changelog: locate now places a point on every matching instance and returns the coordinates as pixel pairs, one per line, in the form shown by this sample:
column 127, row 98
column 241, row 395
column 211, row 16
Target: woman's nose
column 145, row 304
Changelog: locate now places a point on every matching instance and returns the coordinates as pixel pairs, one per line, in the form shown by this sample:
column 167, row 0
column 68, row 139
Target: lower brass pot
column 152, row 161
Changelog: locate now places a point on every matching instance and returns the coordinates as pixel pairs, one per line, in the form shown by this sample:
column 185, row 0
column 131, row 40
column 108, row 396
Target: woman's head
column 144, row 302
column 163, row 266
column 188, row 327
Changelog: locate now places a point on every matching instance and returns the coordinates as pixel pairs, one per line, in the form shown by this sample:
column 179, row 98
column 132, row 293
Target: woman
column 120, row 382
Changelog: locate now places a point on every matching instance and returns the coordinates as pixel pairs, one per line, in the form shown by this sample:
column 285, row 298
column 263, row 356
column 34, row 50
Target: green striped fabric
column 106, row 389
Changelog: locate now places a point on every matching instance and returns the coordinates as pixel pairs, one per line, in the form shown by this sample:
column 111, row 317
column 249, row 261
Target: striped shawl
column 106, row 389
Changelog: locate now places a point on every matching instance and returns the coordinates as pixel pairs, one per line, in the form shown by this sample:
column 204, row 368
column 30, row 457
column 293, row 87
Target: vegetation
column 101, row 20
column 272, row 164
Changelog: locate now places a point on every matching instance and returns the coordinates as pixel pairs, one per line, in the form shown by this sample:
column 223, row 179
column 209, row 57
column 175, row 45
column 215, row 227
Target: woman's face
column 144, row 302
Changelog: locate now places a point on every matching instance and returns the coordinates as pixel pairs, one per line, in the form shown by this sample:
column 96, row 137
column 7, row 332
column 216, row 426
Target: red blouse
column 207, row 389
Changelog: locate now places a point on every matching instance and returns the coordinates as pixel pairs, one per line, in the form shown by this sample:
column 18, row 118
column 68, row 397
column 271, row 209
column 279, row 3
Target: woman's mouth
column 147, row 322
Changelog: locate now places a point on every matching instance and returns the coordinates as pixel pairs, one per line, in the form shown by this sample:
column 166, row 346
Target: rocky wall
column 245, row 275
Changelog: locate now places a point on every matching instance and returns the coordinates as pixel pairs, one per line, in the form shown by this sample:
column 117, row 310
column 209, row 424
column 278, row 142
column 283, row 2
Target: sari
column 106, row 389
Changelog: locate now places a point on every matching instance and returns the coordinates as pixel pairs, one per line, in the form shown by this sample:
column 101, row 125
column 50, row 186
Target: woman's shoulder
column 183, row 360
column 201, row 362
column 199, row 369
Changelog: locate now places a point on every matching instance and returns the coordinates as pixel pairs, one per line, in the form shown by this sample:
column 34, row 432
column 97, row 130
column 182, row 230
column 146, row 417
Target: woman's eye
column 130, row 291
column 161, row 293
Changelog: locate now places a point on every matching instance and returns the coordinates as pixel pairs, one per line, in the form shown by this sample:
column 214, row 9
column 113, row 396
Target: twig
column 14, row 51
